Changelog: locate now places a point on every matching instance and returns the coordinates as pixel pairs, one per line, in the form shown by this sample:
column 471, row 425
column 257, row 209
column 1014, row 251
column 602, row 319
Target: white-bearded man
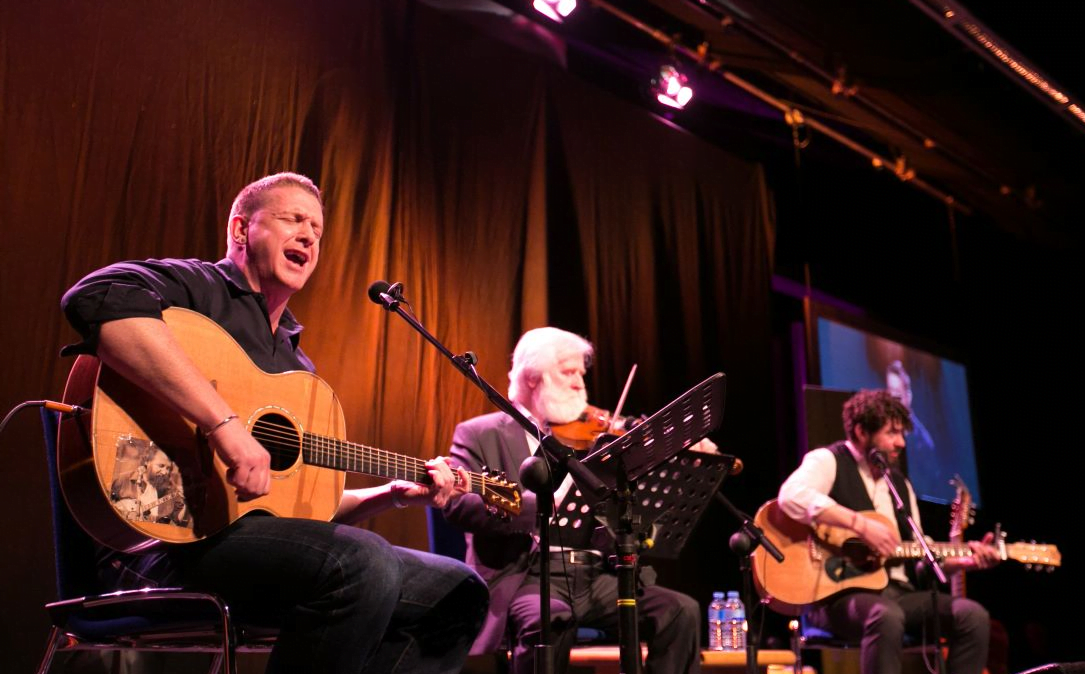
column 547, row 383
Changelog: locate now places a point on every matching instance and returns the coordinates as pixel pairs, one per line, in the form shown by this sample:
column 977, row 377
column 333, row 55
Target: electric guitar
column 822, row 561
column 961, row 514
column 295, row 416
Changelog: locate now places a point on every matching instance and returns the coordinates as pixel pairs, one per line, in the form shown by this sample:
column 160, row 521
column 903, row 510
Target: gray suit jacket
column 500, row 550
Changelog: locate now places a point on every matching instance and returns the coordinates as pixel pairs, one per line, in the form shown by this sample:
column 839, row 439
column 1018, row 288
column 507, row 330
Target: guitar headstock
column 962, row 510
column 501, row 497
column 1038, row 556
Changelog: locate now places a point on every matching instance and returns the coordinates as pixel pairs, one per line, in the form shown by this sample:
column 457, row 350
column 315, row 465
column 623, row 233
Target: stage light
column 670, row 88
column 555, row 10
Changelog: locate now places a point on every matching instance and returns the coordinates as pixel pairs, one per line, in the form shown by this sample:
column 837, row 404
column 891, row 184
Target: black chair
column 152, row 619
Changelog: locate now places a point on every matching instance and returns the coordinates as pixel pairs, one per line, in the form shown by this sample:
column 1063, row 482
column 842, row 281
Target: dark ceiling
column 908, row 91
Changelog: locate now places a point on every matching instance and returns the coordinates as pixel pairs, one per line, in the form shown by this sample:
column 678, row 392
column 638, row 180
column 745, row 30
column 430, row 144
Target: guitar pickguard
column 841, row 569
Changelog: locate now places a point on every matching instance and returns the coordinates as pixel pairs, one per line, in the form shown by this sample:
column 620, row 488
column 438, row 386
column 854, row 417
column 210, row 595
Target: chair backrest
column 74, row 550
column 444, row 538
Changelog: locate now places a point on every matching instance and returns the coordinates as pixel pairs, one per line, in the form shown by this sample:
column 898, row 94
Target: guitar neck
column 327, row 452
column 956, row 579
column 913, row 550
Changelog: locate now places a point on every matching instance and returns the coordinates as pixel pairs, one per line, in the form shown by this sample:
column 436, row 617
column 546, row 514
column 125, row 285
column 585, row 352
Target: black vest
column 849, row 490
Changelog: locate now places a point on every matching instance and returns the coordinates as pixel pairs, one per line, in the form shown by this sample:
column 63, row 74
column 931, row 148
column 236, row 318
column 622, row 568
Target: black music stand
column 669, row 499
column 686, row 420
column 621, row 462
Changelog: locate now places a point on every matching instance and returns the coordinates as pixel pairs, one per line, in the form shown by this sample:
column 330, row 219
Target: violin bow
column 621, row 401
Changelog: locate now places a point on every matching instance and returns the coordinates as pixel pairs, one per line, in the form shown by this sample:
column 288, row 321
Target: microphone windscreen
column 376, row 289
column 877, row 457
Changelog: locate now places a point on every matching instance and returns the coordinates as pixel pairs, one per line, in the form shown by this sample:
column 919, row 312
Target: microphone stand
column 555, row 451
column 535, row 475
column 626, row 549
column 389, row 296
column 930, row 561
column 743, row 542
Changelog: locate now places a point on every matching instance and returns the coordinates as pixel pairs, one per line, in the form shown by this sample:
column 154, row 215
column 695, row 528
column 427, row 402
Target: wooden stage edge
column 604, row 660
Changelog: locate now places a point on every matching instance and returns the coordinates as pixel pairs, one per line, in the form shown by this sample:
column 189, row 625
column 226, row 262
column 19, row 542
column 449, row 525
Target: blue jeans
column 344, row 599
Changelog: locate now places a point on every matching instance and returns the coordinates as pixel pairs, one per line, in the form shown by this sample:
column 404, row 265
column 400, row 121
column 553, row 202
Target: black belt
column 576, row 556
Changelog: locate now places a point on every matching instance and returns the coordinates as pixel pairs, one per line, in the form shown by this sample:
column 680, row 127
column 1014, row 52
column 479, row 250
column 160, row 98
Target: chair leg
column 225, row 660
column 55, row 637
column 229, row 648
column 216, row 664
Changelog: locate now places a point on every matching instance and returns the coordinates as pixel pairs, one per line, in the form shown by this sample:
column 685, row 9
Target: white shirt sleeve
column 805, row 493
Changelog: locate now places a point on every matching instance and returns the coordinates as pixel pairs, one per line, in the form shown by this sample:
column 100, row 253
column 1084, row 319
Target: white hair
column 538, row 351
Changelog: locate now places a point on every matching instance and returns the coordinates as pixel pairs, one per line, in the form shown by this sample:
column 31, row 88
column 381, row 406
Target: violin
column 593, row 422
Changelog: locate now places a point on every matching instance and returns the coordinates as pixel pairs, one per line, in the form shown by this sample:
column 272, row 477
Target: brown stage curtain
column 450, row 162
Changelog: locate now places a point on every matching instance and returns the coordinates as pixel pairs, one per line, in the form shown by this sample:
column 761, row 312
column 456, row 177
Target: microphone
column 877, row 458
column 388, row 295
column 377, row 289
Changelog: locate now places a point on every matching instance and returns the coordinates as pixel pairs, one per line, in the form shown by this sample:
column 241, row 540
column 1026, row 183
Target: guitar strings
column 481, row 483
column 353, row 450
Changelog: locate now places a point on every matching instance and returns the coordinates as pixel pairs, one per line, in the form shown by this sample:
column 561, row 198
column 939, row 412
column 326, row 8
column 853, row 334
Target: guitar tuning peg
column 1028, row 567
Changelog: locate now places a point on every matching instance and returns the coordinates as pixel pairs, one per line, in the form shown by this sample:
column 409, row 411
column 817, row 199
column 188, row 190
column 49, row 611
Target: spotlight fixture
column 670, row 87
column 555, row 10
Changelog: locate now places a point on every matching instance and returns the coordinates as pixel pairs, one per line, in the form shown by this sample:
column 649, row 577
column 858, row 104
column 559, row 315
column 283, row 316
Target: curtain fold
column 502, row 192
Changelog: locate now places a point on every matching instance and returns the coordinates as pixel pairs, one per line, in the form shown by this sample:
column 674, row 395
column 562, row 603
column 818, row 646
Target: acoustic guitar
column 295, row 416
column 822, row 561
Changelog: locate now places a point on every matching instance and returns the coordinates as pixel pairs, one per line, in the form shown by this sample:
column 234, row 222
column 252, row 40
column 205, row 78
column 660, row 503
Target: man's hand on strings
column 984, row 553
column 248, row 464
column 446, row 485
column 878, row 536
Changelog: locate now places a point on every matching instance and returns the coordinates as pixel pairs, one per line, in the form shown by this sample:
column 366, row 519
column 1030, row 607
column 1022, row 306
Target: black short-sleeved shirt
column 144, row 289
column 218, row 291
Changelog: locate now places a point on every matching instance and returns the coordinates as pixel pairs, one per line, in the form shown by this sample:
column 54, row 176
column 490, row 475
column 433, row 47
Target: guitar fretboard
column 319, row 450
column 912, row 550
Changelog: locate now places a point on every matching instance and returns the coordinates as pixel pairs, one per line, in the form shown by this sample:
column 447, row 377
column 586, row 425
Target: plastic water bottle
column 715, row 622
column 734, row 623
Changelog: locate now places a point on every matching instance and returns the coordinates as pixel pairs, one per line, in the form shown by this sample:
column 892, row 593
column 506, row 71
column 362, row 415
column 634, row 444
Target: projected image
column 935, row 389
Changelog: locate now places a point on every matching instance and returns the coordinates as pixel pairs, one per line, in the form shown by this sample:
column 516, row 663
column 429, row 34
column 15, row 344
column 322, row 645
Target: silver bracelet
column 219, row 425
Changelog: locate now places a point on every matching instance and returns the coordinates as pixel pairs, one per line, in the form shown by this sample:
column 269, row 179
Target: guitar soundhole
column 280, row 438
